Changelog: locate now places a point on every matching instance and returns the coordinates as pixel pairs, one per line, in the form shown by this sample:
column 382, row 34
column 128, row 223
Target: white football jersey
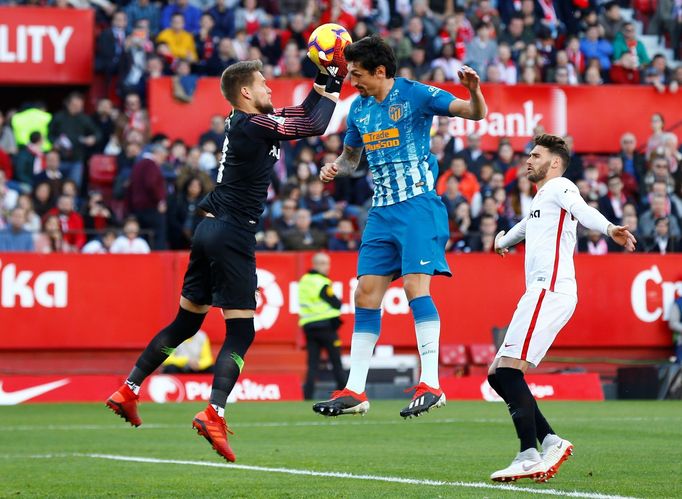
column 551, row 238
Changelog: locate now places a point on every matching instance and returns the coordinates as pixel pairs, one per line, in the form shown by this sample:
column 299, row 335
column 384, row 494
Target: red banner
column 46, row 45
column 159, row 388
column 585, row 112
column 120, row 301
column 543, row 387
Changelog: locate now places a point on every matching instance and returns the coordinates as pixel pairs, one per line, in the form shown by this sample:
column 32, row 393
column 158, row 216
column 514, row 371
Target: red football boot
column 124, row 403
column 214, row 429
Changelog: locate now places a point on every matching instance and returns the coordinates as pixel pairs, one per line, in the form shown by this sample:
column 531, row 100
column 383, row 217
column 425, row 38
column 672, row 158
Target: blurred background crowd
column 53, row 161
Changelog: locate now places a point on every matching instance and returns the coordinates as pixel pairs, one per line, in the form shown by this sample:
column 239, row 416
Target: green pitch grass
column 621, row 448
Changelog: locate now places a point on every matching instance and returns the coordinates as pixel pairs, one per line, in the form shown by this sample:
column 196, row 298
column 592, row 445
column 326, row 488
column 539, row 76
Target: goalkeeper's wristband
column 333, row 85
column 321, row 79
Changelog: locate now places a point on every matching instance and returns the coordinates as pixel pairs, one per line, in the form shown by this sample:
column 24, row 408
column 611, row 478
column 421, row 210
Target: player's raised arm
column 475, row 108
column 504, row 241
column 570, row 199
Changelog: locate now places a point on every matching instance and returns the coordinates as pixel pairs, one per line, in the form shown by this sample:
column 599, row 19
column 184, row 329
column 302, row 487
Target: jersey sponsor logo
column 277, row 119
column 382, row 139
column 395, row 112
column 274, row 152
column 534, row 214
column 47, row 289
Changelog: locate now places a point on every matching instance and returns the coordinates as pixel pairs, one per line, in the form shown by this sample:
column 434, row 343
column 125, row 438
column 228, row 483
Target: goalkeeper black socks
column 184, row 326
column 230, row 361
column 521, row 404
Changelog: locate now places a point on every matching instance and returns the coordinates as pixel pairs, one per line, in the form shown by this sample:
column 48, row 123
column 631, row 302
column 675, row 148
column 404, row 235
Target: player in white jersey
column 548, row 303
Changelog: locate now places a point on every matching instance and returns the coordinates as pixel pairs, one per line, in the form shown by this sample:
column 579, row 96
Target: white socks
column 361, row 350
column 428, row 336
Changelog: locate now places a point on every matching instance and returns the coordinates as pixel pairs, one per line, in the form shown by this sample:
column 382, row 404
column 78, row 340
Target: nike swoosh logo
column 507, row 345
column 422, row 262
column 561, row 444
column 19, row 396
column 528, row 468
column 426, row 344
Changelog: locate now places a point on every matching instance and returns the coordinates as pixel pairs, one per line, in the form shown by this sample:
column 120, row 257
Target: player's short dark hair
column 556, row 145
column 371, row 52
column 238, row 75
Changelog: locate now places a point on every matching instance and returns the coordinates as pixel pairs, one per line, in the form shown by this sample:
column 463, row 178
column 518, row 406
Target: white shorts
column 538, row 318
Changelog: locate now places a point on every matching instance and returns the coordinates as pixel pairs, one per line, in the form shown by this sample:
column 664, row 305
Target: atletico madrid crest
column 395, row 112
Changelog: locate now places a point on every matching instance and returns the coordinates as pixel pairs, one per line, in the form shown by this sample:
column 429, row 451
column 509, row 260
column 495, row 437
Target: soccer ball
column 322, row 40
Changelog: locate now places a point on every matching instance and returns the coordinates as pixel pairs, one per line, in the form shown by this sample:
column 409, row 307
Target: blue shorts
column 406, row 238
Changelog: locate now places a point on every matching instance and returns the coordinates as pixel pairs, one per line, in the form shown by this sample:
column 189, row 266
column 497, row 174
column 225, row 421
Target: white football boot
column 526, row 464
column 555, row 450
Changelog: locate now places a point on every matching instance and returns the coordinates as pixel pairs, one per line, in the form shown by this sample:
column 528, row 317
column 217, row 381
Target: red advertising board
column 46, row 45
column 164, row 388
column 585, row 112
column 578, row 386
column 121, row 301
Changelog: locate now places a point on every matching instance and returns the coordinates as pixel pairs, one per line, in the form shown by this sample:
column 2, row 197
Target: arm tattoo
column 349, row 160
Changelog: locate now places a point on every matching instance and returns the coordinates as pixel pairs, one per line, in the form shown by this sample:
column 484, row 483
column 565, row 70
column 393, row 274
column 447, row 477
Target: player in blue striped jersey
column 407, row 227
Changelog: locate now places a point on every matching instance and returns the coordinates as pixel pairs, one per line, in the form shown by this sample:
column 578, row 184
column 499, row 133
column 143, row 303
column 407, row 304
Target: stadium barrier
column 110, row 302
column 585, row 112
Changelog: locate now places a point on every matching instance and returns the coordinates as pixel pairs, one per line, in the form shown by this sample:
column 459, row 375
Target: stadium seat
column 482, row 356
column 102, row 170
column 454, row 358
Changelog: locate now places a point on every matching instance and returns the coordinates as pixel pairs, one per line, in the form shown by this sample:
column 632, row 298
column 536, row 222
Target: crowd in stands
column 51, row 201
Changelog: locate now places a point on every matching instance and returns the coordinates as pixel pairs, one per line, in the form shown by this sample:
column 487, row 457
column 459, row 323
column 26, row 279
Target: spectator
column 516, row 37
column 460, row 230
column 110, row 48
column 8, row 196
column 594, row 243
column 505, row 157
column 473, row 154
column 250, row 17
column 97, row 216
column 184, row 82
column 615, row 167
column 31, row 118
column 144, row 10
column 611, row 205
column 133, row 123
column 344, row 238
column 662, row 241
column 70, row 221
column 593, row 76
column 104, row 120
column 15, row 237
column 418, row 37
column 147, row 194
column 633, row 161
column 520, row 199
column 482, row 50
column 71, row 131
column 594, row 47
column 287, row 221
column 468, row 184
column 448, row 62
column 494, row 206
column 207, row 39
column 656, row 139
column 224, row 19
column 179, row 41
column 418, row 63
column 221, row 58
column 184, row 214
column 7, row 142
column 626, row 42
column 190, row 16
column 325, row 213
column 32, row 222
column 624, row 71
column 270, row 241
column 397, row 40
column 134, row 65
column 216, row 133
column 611, row 20
column 29, row 161
column 452, row 197
column 483, row 240
column 508, row 72
column 658, row 210
column 101, row 245
column 130, row 241
column 268, row 42
column 51, row 174
column 52, row 239
column 43, row 198
column 302, row 236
